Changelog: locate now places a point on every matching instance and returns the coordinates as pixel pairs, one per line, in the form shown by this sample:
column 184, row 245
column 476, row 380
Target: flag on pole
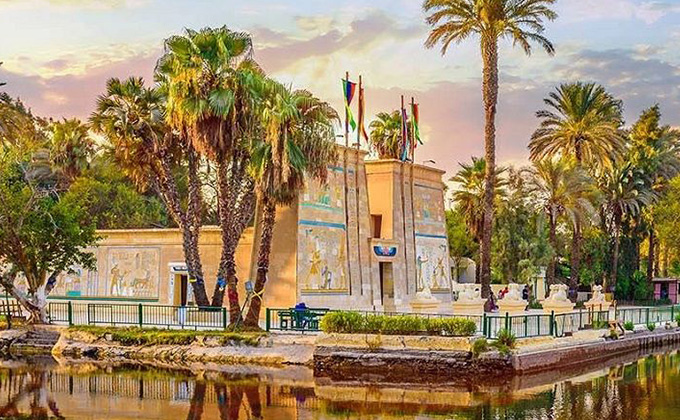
column 405, row 147
column 362, row 115
column 415, row 120
column 348, row 90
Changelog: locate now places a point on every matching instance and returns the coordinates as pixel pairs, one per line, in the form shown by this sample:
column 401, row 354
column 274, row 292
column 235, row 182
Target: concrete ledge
column 395, row 342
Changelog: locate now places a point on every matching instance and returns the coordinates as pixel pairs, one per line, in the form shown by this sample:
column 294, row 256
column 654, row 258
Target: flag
column 348, row 92
column 415, row 120
column 404, row 136
column 362, row 115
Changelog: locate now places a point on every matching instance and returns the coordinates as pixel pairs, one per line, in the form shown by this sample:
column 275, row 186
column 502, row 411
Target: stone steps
column 35, row 342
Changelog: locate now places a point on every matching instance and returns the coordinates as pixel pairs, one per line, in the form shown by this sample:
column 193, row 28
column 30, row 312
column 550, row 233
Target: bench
column 300, row 319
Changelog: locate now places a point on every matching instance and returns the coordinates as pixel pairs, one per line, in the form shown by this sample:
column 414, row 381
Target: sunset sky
column 58, row 54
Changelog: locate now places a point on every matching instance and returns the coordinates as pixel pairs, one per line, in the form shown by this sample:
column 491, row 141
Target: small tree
column 41, row 233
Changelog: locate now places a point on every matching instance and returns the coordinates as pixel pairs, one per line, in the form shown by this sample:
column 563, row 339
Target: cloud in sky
column 312, row 43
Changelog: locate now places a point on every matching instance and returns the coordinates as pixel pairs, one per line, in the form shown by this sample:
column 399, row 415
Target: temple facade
column 373, row 237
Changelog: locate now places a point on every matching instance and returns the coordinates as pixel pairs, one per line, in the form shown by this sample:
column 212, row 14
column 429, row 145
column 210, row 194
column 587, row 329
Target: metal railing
column 140, row 315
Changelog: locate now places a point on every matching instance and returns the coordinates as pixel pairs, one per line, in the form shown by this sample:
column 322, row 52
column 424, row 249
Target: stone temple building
column 373, row 237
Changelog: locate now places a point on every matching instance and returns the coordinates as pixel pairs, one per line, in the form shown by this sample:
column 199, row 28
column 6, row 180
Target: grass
column 352, row 322
column 134, row 336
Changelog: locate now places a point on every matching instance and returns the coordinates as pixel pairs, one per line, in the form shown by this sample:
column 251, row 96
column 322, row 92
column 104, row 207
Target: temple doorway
column 387, row 286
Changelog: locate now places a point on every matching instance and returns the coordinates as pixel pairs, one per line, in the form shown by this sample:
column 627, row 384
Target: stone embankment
column 277, row 350
column 450, row 360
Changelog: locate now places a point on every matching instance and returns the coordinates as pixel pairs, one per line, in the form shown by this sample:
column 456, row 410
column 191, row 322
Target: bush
column 651, row 327
column 677, row 318
column 506, row 338
column 535, row 304
column 350, row 322
column 134, row 336
column 629, row 326
column 480, row 346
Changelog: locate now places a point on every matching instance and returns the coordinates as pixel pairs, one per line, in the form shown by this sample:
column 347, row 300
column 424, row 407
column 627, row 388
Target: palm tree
column 71, row 149
column 469, row 197
column 385, row 135
column 213, row 89
column 560, row 189
column 299, row 142
column 521, row 21
column 583, row 121
column 130, row 116
column 626, row 192
column 655, row 150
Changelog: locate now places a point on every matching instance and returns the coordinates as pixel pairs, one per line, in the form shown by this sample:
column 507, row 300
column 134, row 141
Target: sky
column 58, row 55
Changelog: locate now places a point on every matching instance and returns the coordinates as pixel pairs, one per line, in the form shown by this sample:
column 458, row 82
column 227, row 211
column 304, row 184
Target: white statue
column 469, row 293
column 558, row 293
column 514, row 294
column 598, row 296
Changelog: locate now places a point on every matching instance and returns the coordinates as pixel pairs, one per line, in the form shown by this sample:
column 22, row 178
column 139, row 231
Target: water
column 637, row 388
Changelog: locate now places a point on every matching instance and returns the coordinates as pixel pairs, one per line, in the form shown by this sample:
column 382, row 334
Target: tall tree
column 583, row 121
column 470, row 193
column 71, row 149
column 130, row 116
column 385, row 135
column 625, row 193
column 560, row 188
column 521, row 21
column 654, row 149
column 42, row 233
column 213, row 89
column 299, row 142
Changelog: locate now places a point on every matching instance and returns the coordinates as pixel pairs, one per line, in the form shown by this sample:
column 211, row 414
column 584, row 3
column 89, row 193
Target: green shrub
column 677, row 318
column 502, row 348
column 348, row 322
column 629, row 326
column 134, row 336
column 535, row 304
column 599, row 324
column 506, row 338
column 480, row 346
column 651, row 327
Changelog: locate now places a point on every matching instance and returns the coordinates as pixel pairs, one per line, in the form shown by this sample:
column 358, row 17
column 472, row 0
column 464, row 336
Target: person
column 503, row 292
column 525, row 292
column 492, row 299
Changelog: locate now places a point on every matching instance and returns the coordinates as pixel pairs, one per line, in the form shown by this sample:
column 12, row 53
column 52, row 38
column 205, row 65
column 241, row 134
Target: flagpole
column 356, row 183
column 403, row 196
column 344, row 170
column 413, row 162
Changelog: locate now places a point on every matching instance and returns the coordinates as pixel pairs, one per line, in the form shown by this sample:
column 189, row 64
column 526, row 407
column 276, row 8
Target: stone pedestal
column 511, row 306
column 424, row 303
column 557, row 307
column 469, row 307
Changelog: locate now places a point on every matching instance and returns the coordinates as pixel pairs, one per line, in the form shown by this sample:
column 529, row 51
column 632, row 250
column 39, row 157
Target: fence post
column 484, row 325
column 141, row 318
column 507, row 321
column 268, row 319
column 224, row 318
column 88, row 314
column 672, row 313
column 70, row 313
column 552, row 323
column 647, row 323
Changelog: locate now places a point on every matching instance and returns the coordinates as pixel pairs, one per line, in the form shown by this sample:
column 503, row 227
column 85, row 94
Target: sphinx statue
column 558, row 301
column 512, row 302
column 598, row 302
column 470, row 301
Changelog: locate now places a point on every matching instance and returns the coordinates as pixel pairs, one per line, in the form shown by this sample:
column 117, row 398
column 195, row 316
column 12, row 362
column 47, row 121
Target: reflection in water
column 645, row 389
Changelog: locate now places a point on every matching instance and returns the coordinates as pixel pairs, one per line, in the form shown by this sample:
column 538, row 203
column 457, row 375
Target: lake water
column 638, row 387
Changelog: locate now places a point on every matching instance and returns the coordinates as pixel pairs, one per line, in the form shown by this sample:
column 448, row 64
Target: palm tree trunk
column 490, row 95
column 268, row 220
column 575, row 259
column 197, row 401
column 192, row 231
column 615, row 255
column 650, row 256
column 550, row 274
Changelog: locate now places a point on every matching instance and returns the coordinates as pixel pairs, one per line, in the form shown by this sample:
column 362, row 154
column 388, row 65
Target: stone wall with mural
column 322, row 259
column 133, row 272
column 431, row 244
